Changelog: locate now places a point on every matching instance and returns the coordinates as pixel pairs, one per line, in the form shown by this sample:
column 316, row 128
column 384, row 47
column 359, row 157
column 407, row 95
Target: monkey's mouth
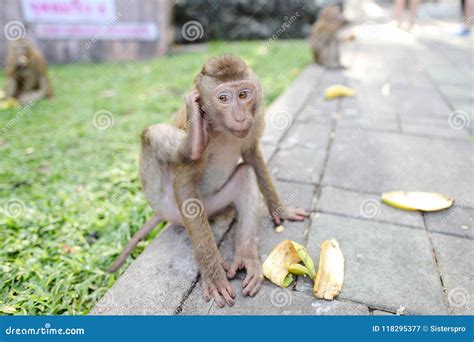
column 240, row 133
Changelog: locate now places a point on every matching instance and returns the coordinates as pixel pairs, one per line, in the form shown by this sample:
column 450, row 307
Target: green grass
column 79, row 185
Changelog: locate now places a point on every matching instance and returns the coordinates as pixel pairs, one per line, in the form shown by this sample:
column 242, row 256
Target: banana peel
column 8, row 103
column 330, row 276
column 423, row 201
column 283, row 262
column 274, row 267
column 338, row 91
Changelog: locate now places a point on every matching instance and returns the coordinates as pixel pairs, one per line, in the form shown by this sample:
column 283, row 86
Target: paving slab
column 298, row 164
column 366, row 206
column 272, row 300
column 157, row 280
column 433, row 126
column 455, row 257
column 436, row 131
column 313, row 137
column 280, row 114
column 314, row 115
column 415, row 101
column 379, row 162
column 358, row 114
column 457, row 221
column 386, row 266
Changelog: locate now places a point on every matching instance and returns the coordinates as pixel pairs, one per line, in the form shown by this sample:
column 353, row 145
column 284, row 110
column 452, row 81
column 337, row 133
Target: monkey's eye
column 243, row 94
column 224, row 98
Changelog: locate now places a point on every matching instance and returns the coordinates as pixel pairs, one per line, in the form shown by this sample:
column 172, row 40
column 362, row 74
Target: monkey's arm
column 277, row 209
column 205, row 249
column 176, row 146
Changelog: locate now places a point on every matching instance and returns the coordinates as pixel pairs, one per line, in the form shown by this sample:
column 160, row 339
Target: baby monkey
column 210, row 159
column 324, row 37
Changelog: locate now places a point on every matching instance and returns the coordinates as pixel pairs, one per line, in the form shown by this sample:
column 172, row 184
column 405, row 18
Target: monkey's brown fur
column 196, row 160
column 324, row 37
column 27, row 74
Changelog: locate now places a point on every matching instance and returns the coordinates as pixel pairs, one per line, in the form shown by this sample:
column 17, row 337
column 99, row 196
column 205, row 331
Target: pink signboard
column 68, row 11
column 117, row 31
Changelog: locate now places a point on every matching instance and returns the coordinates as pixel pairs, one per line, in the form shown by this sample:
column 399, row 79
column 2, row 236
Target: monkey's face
column 22, row 59
column 332, row 14
column 234, row 103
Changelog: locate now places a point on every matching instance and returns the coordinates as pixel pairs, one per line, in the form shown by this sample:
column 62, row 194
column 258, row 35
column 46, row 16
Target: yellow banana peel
column 424, row 201
column 330, row 276
column 285, row 260
column 274, row 267
column 8, row 103
column 338, row 91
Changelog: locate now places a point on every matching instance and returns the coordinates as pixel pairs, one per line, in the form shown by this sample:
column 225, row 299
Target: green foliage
column 79, row 184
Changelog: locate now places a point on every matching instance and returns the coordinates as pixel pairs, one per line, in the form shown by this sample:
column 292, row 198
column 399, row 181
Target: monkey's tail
column 139, row 235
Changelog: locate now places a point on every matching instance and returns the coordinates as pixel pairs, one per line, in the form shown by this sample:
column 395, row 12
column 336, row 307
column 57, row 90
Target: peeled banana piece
column 338, row 91
column 330, row 276
column 424, row 201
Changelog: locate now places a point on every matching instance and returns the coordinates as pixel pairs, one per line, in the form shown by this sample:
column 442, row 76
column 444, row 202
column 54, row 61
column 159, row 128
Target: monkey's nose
column 241, row 120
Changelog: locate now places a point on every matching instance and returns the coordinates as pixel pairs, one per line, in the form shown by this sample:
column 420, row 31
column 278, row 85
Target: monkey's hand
column 290, row 213
column 197, row 130
column 216, row 284
column 253, row 280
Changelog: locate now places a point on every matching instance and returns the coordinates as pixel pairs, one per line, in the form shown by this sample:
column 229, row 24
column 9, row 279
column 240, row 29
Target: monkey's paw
column 220, row 289
column 290, row 213
column 253, row 280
